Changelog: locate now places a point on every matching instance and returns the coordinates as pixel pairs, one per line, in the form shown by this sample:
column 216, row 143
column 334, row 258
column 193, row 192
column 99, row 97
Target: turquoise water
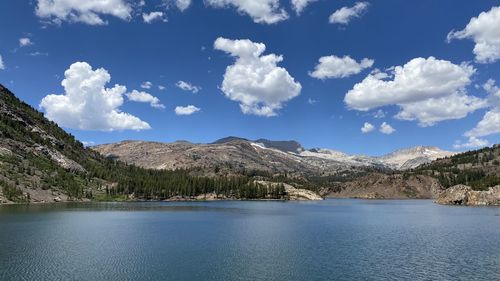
column 328, row 240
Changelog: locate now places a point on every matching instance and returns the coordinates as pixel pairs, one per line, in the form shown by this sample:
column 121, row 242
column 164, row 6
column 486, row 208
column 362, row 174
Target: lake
column 336, row 239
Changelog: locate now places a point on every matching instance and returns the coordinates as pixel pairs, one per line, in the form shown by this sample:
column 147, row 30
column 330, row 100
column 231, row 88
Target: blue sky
column 311, row 108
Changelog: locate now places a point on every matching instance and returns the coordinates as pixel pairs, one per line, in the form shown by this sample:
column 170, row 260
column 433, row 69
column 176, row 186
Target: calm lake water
column 329, row 240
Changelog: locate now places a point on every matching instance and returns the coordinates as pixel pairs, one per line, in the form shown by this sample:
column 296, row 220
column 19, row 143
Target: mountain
column 413, row 157
column 233, row 156
column 284, row 146
column 40, row 162
column 236, row 155
column 479, row 169
column 467, row 178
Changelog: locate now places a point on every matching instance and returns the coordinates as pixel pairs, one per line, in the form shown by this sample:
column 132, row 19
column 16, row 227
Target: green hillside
column 39, row 161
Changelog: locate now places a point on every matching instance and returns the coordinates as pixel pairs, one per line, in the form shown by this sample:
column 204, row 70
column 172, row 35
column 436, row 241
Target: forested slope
column 40, row 162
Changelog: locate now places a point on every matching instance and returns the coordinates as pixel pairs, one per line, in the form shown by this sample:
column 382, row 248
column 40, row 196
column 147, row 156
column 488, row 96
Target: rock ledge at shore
column 465, row 195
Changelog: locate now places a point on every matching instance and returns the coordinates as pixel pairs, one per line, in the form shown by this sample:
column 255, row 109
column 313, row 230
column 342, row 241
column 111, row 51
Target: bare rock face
column 380, row 186
column 295, row 194
column 301, row 194
column 413, row 157
column 464, row 195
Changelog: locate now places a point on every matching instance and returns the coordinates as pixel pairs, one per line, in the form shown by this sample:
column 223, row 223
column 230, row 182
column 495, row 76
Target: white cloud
column 377, row 73
column 493, row 93
column 367, row 127
column 345, row 14
column 25, row 42
column 2, row 65
column 161, row 88
column 87, row 104
column 144, row 97
column 417, row 80
column 311, row 101
column 473, row 142
column 254, row 80
column 88, row 143
column 300, row 5
column 430, row 111
column 154, row 16
column 182, row 4
column 38, row 54
column 337, row 67
column 186, row 110
column 186, row 86
column 261, row 11
column 146, row 85
column 379, row 114
column 88, row 11
column 485, row 31
column 386, row 129
column 428, row 90
column 490, row 124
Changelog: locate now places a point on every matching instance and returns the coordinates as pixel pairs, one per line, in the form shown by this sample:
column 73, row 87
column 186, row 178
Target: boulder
column 464, row 195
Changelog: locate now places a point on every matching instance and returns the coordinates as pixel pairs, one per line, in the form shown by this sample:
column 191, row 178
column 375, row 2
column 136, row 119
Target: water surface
column 329, row 240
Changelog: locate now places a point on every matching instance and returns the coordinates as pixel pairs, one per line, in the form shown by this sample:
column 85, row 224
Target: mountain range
column 237, row 155
column 40, row 162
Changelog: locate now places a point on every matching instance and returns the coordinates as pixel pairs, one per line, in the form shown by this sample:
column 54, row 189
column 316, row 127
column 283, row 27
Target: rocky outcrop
column 383, row 186
column 465, row 195
column 293, row 193
column 301, row 194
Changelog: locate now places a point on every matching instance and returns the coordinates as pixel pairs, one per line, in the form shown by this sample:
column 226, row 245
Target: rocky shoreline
column 464, row 195
column 292, row 194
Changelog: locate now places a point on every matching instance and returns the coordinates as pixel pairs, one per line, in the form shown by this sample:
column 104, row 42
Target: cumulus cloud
column 428, row 90
column 89, row 11
column 183, row 4
column 430, row 111
column 87, row 104
column 367, row 127
column 144, row 97
column 186, row 86
column 261, row 11
column 146, row 85
column 417, row 80
column 473, row 142
column 485, row 32
column 493, row 93
column 161, row 88
column 345, row 14
column 254, row 80
column 386, row 129
column 25, row 41
column 186, row 110
column 300, row 5
column 154, row 16
column 2, row 65
column 339, row 67
column 490, row 124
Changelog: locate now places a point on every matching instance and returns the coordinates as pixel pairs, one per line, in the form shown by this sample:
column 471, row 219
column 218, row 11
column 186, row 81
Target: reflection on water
column 328, row 240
